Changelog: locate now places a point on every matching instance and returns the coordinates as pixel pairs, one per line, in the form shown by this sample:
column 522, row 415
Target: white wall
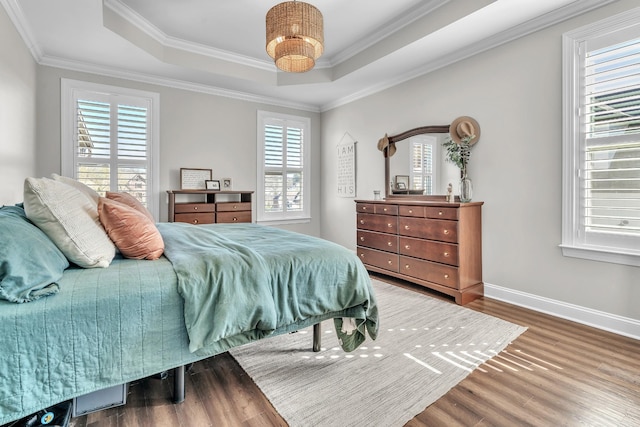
column 196, row 131
column 17, row 112
column 514, row 91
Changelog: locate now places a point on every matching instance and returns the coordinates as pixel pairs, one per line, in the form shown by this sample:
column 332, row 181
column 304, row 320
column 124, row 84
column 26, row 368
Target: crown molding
column 559, row 15
column 62, row 63
column 17, row 17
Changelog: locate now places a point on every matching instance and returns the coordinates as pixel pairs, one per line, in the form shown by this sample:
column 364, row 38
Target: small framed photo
column 226, row 184
column 194, row 179
column 212, row 184
column 402, row 182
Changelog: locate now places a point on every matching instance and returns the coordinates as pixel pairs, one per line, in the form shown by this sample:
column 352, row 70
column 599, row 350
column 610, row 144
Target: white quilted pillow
column 70, row 220
column 84, row 189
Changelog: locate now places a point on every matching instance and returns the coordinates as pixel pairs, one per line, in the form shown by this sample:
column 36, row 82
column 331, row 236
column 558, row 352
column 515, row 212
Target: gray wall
column 17, row 112
column 196, row 131
column 515, row 93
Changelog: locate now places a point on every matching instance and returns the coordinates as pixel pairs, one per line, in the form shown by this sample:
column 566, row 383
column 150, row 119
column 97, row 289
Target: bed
column 214, row 288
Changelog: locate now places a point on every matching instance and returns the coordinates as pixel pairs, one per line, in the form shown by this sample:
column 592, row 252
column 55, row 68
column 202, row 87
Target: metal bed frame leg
column 317, row 338
column 178, row 384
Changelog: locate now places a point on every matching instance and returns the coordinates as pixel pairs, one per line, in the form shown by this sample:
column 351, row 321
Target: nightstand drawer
column 233, row 207
column 228, row 217
column 385, row 260
column 430, row 271
column 196, row 218
column 384, row 242
column 430, row 250
column 194, row 207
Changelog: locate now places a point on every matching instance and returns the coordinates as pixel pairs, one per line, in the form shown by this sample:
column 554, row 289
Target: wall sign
column 347, row 168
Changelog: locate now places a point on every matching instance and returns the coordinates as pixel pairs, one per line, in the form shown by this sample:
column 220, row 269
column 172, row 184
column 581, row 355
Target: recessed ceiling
column 219, row 46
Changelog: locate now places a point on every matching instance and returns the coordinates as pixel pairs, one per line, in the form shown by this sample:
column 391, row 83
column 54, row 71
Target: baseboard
column 586, row 316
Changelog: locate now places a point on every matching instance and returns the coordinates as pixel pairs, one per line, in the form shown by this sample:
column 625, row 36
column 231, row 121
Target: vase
column 466, row 187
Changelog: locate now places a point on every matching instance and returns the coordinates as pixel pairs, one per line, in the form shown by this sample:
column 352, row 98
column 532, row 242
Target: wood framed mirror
column 439, row 132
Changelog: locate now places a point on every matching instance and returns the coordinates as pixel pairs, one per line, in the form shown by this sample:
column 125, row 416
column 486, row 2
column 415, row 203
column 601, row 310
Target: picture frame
column 212, row 184
column 194, row 179
column 226, row 184
column 402, row 182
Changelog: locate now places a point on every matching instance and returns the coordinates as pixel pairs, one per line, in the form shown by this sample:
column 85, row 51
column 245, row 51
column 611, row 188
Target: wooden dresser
column 433, row 244
column 209, row 206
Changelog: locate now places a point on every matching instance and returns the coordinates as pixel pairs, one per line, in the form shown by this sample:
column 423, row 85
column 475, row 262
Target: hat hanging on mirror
column 464, row 126
column 388, row 149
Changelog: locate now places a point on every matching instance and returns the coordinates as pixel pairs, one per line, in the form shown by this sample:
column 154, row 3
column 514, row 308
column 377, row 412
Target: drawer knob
column 440, row 213
column 446, row 231
column 235, row 219
column 361, row 255
column 195, row 208
column 410, row 210
column 446, row 276
column 235, row 206
column 389, row 243
column 384, row 209
column 389, row 225
column 446, row 254
column 390, row 262
column 195, row 221
column 364, row 208
column 406, row 267
column 362, row 239
column 407, row 247
column 362, row 221
column 406, row 227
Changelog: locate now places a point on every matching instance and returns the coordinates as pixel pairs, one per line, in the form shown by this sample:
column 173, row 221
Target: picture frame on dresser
column 194, row 179
column 212, row 184
column 402, row 182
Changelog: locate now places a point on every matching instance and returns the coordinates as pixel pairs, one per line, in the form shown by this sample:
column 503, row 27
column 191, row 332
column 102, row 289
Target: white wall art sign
column 347, row 168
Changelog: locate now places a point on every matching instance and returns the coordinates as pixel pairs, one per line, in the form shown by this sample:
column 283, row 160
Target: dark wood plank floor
column 558, row 373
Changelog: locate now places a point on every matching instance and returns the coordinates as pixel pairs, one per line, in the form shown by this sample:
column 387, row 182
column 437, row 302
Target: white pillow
column 70, row 220
column 85, row 189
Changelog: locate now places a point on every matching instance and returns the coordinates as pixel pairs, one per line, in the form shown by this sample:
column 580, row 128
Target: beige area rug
column 424, row 348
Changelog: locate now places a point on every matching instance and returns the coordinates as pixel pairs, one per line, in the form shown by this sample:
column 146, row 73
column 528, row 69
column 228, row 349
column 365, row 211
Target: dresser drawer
column 386, row 209
column 194, row 207
column 228, row 217
column 384, row 223
column 441, row 213
column 431, row 229
column 196, row 218
column 417, row 211
column 233, row 207
column 365, row 207
column 430, row 271
column 385, row 260
column 430, row 250
column 384, row 242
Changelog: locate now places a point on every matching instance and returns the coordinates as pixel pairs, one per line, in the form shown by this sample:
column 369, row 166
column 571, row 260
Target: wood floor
column 558, row 373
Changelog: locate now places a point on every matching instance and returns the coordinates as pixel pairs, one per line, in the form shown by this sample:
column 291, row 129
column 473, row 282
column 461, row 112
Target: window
column 601, row 210
column 423, row 152
column 283, row 167
column 110, row 139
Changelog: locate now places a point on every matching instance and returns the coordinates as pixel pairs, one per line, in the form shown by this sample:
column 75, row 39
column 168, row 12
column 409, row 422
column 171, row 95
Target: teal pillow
column 30, row 263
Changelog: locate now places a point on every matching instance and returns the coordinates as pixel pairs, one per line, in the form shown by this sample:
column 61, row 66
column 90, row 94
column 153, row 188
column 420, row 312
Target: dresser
column 434, row 244
column 209, row 206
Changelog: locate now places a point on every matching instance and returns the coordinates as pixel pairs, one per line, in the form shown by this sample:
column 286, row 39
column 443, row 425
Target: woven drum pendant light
column 295, row 36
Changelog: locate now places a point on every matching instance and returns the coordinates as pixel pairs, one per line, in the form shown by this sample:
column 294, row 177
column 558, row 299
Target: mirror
column 430, row 171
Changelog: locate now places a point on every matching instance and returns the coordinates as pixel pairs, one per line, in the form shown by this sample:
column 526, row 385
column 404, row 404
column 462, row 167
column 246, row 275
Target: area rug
column 424, row 348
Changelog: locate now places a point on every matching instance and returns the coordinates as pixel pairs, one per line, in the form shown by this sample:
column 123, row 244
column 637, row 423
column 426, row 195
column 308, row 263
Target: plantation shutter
column 283, row 167
column 112, row 144
column 422, row 165
column 610, row 119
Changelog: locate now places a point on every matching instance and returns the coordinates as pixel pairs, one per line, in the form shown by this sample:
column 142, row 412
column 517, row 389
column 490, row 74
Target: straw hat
column 464, row 126
column 388, row 149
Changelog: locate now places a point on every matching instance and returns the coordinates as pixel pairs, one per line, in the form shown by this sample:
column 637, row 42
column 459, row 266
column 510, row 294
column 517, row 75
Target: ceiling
column 219, row 46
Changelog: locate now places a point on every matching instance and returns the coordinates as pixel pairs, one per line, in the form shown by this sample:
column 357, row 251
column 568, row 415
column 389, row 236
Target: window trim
column 572, row 43
column 286, row 217
column 68, row 87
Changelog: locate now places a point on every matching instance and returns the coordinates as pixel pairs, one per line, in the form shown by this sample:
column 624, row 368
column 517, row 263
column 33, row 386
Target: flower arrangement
column 459, row 153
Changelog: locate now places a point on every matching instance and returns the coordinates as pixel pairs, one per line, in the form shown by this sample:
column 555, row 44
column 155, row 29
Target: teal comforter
column 224, row 286
column 245, row 281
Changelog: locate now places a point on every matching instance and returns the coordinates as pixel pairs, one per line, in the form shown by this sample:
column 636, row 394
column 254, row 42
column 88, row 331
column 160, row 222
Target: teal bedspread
column 128, row 321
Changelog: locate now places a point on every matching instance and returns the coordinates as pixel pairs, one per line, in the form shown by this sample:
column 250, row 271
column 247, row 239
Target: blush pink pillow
column 129, row 200
column 134, row 234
